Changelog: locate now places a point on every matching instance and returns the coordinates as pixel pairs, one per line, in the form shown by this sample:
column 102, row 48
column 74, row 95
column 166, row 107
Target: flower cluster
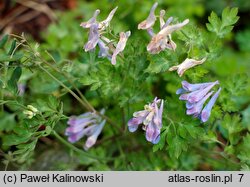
column 87, row 124
column 195, row 96
column 162, row 40
column 151, row 118
column 96, row 37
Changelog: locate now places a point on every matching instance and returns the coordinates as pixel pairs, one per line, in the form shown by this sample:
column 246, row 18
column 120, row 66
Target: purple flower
column 87, row 124
column 195, row 96
column 151, row 118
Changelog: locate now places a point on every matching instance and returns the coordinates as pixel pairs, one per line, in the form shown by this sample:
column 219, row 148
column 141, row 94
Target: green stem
column 72, row 147
column 79, row 99
column 65, row 87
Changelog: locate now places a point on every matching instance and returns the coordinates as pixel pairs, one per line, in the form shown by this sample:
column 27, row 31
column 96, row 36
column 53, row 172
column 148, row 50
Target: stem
column 79, row 99
column 70, row 81
column 72, row 147
column 64, row 86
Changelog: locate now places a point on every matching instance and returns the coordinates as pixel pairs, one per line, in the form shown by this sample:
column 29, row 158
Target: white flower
column 120, row 46
column 186, row 64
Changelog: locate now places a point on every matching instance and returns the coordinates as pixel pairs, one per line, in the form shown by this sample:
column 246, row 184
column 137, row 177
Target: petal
column 150, row 31
column 72, row 138
column 152, row 133
column 197, row 107
column 193, row 87
column 134, row 123
column 93, row 38
column 170, row 19
column 205, row 114
column 199, row 94
column 181, row 91
column 120, row 46
column 91, row 21
column 150, row 21
column 171, row 28
column 91, row 140
column 104, row 50
column 105, row 23
column 162, row 22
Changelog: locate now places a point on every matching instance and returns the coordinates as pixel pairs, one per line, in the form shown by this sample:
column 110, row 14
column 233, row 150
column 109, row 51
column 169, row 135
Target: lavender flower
column 151, row 118
column 93, row 38
column 186, row 64
column 195, row 96
column 87, row 124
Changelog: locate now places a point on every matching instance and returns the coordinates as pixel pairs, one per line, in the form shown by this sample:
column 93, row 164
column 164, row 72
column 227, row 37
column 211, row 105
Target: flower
column 150, row 21
column 151, row 118
column 93, row 37
column 30, row 112
column 120, row 46
column 96, row 37
column 186, row 64
column 87, row 124
column 195, row 96
column 162, row 39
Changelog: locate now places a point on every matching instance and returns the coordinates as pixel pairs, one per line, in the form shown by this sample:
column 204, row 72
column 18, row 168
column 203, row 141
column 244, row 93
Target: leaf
column 157, row 65
column 195, row 131
column 214, row 23
column 233, row 126
column 12, row 83
column 7, row 122
column 12, row 47
column 177, row 146
column 224, row 25
column 91, row 80
column 3, row 41
column 7, row 58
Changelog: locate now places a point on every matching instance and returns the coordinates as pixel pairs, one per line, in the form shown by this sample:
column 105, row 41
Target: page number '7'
column 241, row 176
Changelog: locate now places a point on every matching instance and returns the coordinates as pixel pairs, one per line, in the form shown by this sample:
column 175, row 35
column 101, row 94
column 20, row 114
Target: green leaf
column 12, row 83
column 12, row 47
column 214, row 23
column 8, row 58
column 224, row 25
column 3, row 41
column 157, row 64
column 7, row 122
column 177, row 146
